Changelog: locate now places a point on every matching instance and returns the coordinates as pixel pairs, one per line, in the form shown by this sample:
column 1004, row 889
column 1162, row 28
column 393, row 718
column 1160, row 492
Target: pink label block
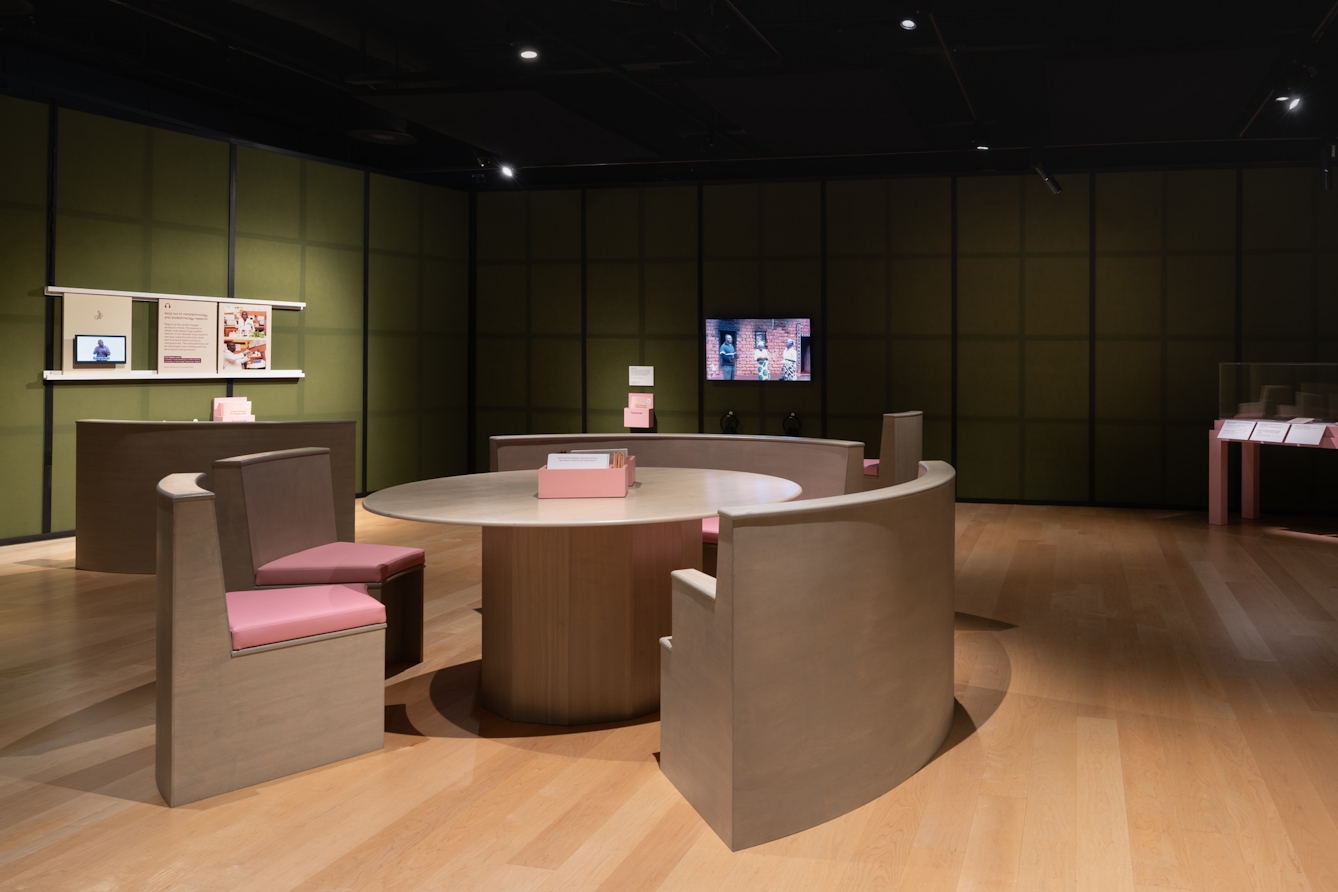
column 582, row 483
column 636, row 417
column 641, row 401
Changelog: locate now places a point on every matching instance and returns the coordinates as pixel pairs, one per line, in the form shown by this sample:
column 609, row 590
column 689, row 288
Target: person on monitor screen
column 727, row 358
column 763, row 357
column 101, row 353
column 790, row 362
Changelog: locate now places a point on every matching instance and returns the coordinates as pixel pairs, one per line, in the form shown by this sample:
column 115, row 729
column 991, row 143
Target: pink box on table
column 587, row 483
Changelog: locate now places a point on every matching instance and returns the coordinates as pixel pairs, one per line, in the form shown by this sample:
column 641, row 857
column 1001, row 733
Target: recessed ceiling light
column 507, row 171
column 908, row 24
column 528, row 54
column 983, row 148
column 1295, row 102
column 1283, row 98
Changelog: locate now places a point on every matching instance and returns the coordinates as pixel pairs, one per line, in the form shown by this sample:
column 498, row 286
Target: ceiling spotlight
column 1282, row 99
column 982, row 148
column 1295, row 102
column 1050, row 181
column 528, row 54
column 507, row 171
column 908, row 24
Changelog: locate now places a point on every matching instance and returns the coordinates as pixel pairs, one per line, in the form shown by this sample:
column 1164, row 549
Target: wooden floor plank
column 1145, row 703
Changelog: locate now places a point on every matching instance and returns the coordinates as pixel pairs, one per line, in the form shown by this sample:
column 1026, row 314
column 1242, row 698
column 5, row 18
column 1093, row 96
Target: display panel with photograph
column 108, row 349
column 779, row 349
column 244, row 338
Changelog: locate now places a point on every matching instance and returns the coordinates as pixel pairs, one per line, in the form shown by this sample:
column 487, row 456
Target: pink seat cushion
column 711, row 529
column 266, row 616
column 871, row 467
column 339, row 562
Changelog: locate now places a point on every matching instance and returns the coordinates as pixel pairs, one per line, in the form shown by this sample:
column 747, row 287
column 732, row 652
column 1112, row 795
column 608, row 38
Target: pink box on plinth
column 636, row 417
column 641, row 401
column 587, row 483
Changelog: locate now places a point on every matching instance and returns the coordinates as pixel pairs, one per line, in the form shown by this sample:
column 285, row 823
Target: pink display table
column 1249, row 471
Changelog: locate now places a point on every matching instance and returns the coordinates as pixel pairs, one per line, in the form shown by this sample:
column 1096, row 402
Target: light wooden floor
column 1145, row 703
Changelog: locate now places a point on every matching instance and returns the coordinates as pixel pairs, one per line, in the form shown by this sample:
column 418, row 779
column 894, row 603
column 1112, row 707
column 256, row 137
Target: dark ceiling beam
column 753, row 28
column 947, row 54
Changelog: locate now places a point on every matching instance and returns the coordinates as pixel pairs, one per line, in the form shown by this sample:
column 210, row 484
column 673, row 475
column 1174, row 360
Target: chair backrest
column 901, row 449
column 193, row 639
column 841, row 647
column 821, row 467
column 272, row 504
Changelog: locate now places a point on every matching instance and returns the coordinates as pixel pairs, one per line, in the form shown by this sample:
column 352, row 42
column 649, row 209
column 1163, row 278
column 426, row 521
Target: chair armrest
column 697, row 584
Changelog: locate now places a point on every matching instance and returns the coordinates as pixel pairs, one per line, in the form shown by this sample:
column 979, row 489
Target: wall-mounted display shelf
column 56, row 290
column 140, row 376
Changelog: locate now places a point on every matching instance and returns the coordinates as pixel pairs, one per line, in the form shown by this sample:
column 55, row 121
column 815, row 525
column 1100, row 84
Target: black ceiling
column 641, row 90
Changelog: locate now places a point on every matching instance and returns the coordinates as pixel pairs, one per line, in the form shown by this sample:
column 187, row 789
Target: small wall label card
column 1307, row 434
column 1270, row 432
column 1235, row 430
column 641, row 376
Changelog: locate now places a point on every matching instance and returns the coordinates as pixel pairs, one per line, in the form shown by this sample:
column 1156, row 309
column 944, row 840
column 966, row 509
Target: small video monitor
column 106, row 349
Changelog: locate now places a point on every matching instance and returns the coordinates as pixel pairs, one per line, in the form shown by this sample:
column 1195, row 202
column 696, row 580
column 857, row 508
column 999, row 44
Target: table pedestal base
column 572, row 618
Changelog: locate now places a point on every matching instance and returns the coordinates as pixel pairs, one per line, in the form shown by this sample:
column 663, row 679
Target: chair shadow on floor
column 455, row 709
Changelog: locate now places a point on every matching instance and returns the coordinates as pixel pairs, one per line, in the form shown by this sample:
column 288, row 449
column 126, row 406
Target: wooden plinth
column 572, row 617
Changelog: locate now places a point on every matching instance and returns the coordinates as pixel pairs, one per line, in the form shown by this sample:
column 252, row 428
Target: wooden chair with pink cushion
column 254, row 685
column 276, row 518
column 899, row 453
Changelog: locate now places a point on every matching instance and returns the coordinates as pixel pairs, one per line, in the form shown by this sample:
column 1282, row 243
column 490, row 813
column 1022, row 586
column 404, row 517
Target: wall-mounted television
column 99, row 348
column 779, row 349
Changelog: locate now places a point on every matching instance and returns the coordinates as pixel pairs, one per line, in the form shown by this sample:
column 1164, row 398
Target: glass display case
column 1278, row 391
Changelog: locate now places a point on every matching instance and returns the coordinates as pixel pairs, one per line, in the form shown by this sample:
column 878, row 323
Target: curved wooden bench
column 816, row 673
column 821, row 467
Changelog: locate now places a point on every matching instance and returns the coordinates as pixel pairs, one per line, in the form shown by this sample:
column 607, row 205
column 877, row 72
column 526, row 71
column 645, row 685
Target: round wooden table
column 576, row 591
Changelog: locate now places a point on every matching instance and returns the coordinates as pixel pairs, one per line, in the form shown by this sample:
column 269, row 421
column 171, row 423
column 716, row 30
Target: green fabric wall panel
column 791, row 219
column 503, row 227
column 732, row 288
column 186, row 185
column 856, row 218
column 103, row 166
column 272, row 202
column 1129, row 380
column 1278, row 207
column 555, row 299
column 989, row 296
column 920, row 376
column 555, row 225
column 1055, row 462
column 989, row 379
column 920, row 216
column 188, row 262
column 502, row 291
column 23, row 156
column 1200, row 211
column 1055, row 296
column 333, row 197
column 555, row 374
column 394, row 375
column 607, row 359
column 670, row 215
column 671, row 299
column 1129, row 463
column 611, row 220
column 1129, row 296
column 100, row 253
column 675, row 362
column 731, row 221
column 856, row 296
column 856, row 370
column 921, row 296
column 612, row 303
column 395, row 291
column 1054, row 379
column 1201, row 295
column 502, row 373
column 331, row 287
column 395, row 216
column 989, row 215
column 268, row 269
column 1129, row 212
column 989, row 460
